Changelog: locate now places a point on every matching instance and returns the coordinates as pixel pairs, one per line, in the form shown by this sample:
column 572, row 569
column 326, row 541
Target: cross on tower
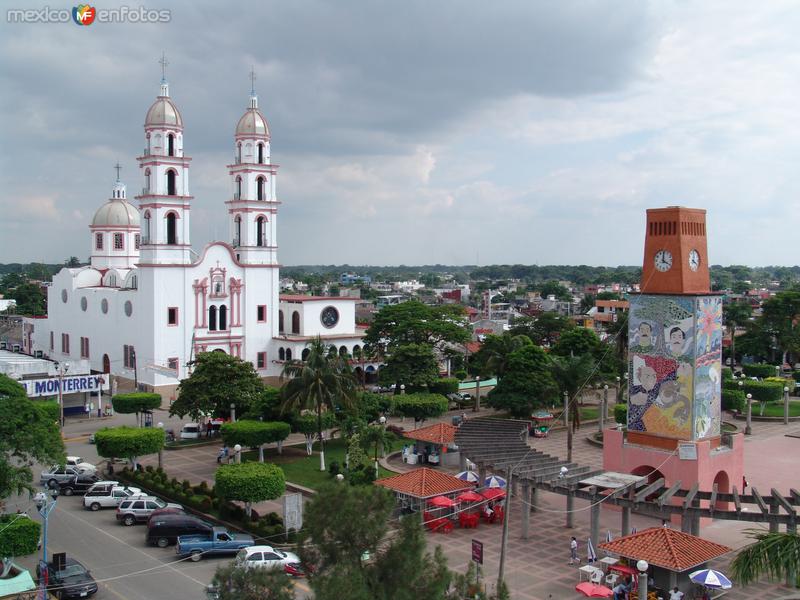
column 118, row 167
column 163, row 62
column 252, row 81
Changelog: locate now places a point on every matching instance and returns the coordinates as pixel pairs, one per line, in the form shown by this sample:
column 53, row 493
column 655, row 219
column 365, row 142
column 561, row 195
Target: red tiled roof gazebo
column 668, row 550
column 420, row 484
column 440, row 436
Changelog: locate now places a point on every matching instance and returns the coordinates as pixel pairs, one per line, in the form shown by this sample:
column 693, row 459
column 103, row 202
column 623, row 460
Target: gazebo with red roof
column 413, row 488
column 670, row 552
column 434, row 444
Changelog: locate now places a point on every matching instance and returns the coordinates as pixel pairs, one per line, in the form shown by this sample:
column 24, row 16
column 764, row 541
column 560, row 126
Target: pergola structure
column 501, row 444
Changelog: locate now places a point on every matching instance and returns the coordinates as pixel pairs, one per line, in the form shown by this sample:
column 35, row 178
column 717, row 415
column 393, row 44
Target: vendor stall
column 433, row 445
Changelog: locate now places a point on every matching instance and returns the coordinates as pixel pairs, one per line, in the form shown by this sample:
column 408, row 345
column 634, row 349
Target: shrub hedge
column 19, row 535
column 135, row 402
column 759, row 370
column 762, row 391
column 734, row 400
column 128, row 441
column 444, row 386
column 420, row 406
column 250, row 482
column 255, row 433
column 621, row 413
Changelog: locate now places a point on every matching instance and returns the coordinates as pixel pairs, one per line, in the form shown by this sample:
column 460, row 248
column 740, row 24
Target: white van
column 190, row 431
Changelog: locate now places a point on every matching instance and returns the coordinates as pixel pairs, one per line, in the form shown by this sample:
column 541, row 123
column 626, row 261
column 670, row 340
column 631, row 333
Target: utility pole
column 570, row 497
column 504, row 540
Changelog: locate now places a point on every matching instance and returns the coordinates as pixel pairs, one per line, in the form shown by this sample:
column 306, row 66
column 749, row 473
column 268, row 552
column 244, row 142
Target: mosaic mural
column 675, row 359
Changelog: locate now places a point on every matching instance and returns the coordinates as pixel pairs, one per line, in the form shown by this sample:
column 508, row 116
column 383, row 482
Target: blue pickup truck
column 218, row 541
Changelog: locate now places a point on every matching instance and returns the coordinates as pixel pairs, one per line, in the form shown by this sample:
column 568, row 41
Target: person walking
column 573, row 551
column 744, row 483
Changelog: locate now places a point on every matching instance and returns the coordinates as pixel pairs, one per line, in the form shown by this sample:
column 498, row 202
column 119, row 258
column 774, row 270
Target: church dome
column 163, row 112
column 252, row 123
column 117, row 212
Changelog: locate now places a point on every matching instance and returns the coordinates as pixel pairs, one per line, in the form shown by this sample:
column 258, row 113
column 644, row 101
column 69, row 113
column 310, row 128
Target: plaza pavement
column 538, row 568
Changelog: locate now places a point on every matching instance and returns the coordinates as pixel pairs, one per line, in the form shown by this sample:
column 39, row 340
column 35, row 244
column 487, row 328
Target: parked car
column 138, row 510
column 267, row 557
column 217, row 541
column 81, row 463
column 68, row 578
column 56, row 474
column 80, row 484
column 165, row 529
column 190, row 431
column 106, row 495
column 167, row 510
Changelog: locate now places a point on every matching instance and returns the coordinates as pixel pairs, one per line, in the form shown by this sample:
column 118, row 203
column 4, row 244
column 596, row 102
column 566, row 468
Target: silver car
column 108, row 496
column 139, row 509
column 58, row 474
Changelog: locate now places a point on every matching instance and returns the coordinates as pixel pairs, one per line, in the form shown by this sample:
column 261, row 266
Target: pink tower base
column 723, row 464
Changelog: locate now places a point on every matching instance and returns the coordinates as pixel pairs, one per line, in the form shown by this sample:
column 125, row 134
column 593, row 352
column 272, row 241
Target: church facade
column 147, row 304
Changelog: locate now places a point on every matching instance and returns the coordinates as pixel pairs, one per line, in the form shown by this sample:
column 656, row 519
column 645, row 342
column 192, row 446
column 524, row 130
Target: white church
column 148, row 304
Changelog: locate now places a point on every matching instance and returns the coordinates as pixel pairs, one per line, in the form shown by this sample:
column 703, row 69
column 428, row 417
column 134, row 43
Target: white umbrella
column 494, row 481
column 469, row 476
column 711, row 579
column 591, row 556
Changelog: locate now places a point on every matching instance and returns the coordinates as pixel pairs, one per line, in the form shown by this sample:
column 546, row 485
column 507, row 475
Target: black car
column 67, row 578
column 77, row 485
column 163, row 530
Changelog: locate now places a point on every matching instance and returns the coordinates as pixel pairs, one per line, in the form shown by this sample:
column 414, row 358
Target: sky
column 418, row 132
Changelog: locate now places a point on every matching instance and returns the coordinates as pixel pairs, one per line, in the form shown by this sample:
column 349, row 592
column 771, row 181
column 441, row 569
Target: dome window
column 172, row 229
column 260, row 188
column 261, row 154
column 171, row 181
column 170, row 145
column 261, row 237
column 98, row 241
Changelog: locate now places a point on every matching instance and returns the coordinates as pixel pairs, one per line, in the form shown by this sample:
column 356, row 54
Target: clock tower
column 675, row 252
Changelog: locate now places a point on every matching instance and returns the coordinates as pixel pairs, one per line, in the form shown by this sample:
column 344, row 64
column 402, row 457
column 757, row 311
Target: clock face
column 663, row 260
column 329, row 316
column 694, row 260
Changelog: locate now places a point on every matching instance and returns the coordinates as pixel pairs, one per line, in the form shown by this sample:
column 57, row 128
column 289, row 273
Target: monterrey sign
column 74, row 384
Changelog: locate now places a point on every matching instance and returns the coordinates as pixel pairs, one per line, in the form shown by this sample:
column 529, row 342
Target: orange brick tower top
column 675, row 252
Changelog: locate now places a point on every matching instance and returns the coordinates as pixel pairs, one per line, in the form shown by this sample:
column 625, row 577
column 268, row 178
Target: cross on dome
column 252, row 81
column 118, row 167
column 163, row 62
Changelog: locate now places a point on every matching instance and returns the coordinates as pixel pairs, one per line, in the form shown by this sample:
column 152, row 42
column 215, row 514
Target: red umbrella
column 493, row 493
column 469, row 496
column 594, row 590
column 442, row 501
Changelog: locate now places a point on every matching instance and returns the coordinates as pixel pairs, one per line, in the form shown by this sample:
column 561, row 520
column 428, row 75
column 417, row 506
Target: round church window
column 128, row 308
column 104, row 306
column 64, row 296
column 329, row 316
column 84, row 304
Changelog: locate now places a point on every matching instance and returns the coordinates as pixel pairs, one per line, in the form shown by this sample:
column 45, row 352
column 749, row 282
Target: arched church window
column 223, row 317
column 237, row 230
column 261, row 234
column 239, row 152
column 171, row 179
column 238, row 188
column 212, row 318
column 343, row 351
column 147, row 181
column 261, row 154
column 171, row 145
column 295, row 322
column 304, row 355
column 147, row 227
column 281, row 354
column 288, row 354
column 280, row 321
column 172, row 228
column 260, row 188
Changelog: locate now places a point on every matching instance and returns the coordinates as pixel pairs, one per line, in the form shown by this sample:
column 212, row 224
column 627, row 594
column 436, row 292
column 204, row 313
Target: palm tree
column 376, row 436
column 776, row 555
column 571, row 374
column 323, row 380
column 736, row 313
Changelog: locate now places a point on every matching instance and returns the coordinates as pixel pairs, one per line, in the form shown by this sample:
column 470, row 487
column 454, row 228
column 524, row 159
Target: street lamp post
column 785, row 405
column 45, row 504
column 626, row 385
column 642, row 567
column 238, row 450
column 619, row 390
column 233, row 413
column 601, row 421
column 161, row 449
column 748, row 430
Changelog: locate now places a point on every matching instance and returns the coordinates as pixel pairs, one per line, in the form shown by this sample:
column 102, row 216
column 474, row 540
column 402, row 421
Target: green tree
column 543, row 330
column 779, row 317
column 468, row 587
column 412, row 365
column 249, row 482
column 415, row 323
column 528, row 383
column 573, row 373
column 493, row 356
column 217, row 381
column 237, row 582
column 72, row 262
column 28, row 435
column 776, row 555
column 254, row 434
column 266, row 406
column 420, row 406
column 128, row 442
column 553, row 288
column 367, row 562
column 308, row 424
column 19, row 536
column 376, row 437
column 323, row 380
column 30, row 299
column 135, row 403
column 735, row 314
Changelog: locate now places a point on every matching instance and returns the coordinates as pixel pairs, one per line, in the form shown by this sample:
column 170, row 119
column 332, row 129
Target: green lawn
column 304, row 470
column 775, row 409
column 589, row 412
